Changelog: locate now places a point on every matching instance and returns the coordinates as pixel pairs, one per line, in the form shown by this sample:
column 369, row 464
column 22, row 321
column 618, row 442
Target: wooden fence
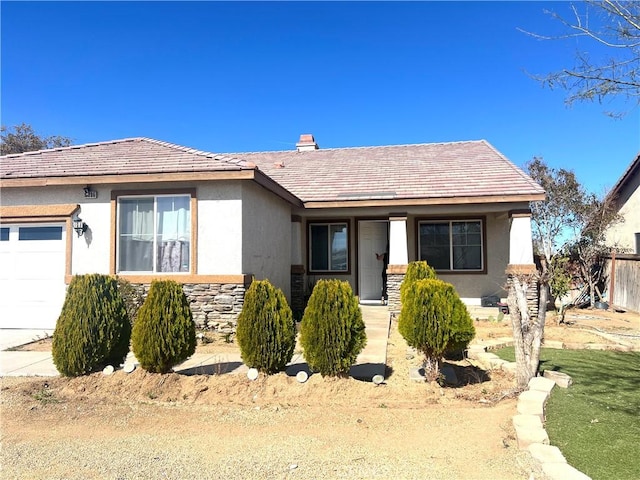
column 623, row 273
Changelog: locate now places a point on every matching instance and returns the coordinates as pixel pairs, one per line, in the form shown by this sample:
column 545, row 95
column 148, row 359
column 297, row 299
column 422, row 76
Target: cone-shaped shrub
column 332, row 331
column 462, row 326
column 164, row 333
column 419, row 270
column 266, row 331
column 93, row 329
column 434, row 320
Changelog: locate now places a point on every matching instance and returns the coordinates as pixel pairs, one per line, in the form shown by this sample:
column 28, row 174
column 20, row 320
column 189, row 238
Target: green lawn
column 596, row 421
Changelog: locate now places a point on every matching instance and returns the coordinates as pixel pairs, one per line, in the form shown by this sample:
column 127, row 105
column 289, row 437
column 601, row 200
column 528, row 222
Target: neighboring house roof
column 457, row 172
column 434, row 172
column 629, row 174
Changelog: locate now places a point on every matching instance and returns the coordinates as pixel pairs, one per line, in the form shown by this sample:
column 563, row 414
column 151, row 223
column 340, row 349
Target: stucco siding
column 266, row 238
column 623, row 235
column 220, row 228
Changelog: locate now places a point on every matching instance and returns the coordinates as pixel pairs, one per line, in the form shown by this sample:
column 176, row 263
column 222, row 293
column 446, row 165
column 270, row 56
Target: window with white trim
column 154, row 234
column 452, row 245
column 328, row 247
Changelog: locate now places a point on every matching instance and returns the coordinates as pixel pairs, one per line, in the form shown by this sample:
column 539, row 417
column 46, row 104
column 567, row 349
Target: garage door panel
column 32, row 273
column 34, row 265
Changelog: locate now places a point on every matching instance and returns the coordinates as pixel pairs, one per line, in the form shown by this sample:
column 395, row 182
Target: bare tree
column 569, row 220
column 24, row 139
column 596, row 216
column 614, row 25
column 528, row 328
column 551, row 220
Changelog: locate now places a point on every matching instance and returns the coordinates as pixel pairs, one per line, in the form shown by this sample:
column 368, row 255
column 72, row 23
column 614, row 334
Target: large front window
column 328, row 247
column 154, row 233
column 454, row 245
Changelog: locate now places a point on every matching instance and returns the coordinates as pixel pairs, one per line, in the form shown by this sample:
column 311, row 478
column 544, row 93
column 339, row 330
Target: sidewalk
column 372, row 360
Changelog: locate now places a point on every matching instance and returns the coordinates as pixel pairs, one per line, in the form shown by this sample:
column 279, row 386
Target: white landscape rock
column 302, row 376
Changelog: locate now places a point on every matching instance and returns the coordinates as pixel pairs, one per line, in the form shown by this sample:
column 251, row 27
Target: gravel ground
column 83, row 439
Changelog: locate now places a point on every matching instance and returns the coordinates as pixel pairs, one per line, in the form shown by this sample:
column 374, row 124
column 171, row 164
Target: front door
column 372, row 240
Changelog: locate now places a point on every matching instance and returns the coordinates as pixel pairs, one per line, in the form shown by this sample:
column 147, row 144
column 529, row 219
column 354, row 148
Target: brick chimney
column 306, row 143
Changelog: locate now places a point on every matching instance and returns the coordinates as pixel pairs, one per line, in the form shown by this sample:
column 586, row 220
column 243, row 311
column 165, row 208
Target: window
column 455, row 245
column 4, row 234
column 154, row 233
column 40, row 233
column 328, row 247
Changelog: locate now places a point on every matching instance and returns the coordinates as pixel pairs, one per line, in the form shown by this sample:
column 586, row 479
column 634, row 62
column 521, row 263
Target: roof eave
column 626, row 176
column 230, row 174
column 405, row 202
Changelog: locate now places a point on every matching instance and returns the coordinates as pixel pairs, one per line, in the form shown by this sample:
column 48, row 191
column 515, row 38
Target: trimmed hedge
column 93, row 329
column 332, row 332
column 266, row 331
column 164, row 333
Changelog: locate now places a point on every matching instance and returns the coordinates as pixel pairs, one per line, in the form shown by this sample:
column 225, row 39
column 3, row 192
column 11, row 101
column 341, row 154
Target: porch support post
column 297, row 267
column 520, row 238
column 296, row 240
column 398, row 240
column 398, row 259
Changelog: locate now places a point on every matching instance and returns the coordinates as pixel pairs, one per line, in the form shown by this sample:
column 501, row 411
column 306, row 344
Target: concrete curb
column 533, row 437
column 529, row 422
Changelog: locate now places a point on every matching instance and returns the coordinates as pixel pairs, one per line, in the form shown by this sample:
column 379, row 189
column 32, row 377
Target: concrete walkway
column 372, row 360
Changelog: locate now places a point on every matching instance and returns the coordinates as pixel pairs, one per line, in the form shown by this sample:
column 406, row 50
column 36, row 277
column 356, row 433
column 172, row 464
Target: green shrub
column 164, row 333
column 332, row 331
column 434, row 320
column 419, row 270
column 93, row 329
column 266, row 331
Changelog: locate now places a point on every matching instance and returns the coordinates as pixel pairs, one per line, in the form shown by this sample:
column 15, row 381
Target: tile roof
column 118, row 157
column 423, row 171
column 398, row 172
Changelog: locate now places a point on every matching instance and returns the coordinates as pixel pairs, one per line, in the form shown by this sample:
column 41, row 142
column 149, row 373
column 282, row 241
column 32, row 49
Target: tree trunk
column 527, row 331
column 431, row 368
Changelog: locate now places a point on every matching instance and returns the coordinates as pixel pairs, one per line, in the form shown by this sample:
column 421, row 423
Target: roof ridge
column 222, row 157
column 72, row 147
column 363, row 147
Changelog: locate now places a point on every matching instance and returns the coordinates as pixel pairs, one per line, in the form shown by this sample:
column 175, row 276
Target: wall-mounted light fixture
column 89, row 193
column 79, row 226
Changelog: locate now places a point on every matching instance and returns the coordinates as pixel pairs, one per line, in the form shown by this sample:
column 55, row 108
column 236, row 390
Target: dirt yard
column 144, row 425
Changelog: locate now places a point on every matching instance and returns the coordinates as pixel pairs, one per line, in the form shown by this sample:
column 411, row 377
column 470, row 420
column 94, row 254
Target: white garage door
column 32, row 268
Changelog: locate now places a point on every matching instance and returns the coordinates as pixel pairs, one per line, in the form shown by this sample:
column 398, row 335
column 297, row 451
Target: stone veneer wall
column 394, row 280
column 215, row 306
column 297, row 294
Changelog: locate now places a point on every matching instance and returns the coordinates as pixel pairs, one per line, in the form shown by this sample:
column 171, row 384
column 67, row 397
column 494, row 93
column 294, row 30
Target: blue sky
column 233, row 77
